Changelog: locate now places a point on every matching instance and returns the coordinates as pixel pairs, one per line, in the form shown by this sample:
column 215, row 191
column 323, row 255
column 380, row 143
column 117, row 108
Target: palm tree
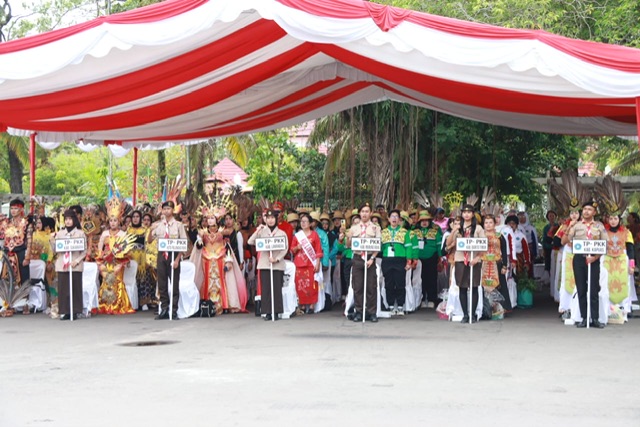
column 18, row 155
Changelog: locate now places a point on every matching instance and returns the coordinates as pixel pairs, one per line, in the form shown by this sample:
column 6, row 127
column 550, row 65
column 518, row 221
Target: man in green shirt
column 429, row 250
column 397, row 255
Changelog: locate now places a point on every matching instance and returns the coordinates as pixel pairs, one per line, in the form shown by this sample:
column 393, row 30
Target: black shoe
column 465, row 319
column 597, row 324
column 474, row 319
column 582, row 324
column 267, row 317
column 357, row 317
column 373, row 318
column 164, row 314
column 65, row 317
column 174, row 316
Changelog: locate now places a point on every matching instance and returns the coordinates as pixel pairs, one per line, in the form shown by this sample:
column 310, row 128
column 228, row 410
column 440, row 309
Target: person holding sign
column 362, row 260
column 463, row 260
column 271, row 265
column 67, row 261
column 307, row 255
column 587, row 229
column 397, row 253
column 168, row 228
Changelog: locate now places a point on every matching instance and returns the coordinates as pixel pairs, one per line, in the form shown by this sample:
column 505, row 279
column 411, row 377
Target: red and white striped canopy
column 184, row 70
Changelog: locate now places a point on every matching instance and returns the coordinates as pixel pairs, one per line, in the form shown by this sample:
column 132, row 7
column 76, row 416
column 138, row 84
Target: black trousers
column 265, row 291
column 357, row 271
column 430, row 279
column 395, row 280
column 580, row 270
column 345, row 274
column 164, row 274
column 463, row 277
column 547, row 259
column 63, row 292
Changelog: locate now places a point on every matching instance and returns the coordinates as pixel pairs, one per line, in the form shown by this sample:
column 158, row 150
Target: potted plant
column 526, row 287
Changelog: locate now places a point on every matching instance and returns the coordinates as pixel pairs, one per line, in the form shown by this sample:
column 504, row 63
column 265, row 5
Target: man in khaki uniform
column 365, row 228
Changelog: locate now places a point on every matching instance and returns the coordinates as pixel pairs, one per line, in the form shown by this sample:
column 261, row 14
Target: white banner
column 70, row 245
column 472, row 244
column 264, row 244
column 173, row 245
column 365, row 244
column 590, row 247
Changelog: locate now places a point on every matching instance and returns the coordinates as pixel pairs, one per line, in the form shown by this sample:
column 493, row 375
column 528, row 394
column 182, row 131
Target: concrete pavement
column 237, row 370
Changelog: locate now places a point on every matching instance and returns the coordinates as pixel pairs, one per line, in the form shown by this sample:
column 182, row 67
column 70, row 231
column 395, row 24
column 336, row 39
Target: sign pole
column 273, row 303
column 364, row 300
column 470, row 291
column 70, row 287
column 173, row 257
column 588, row 293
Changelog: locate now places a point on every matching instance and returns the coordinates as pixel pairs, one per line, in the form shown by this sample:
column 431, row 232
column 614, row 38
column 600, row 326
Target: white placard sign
column 70, row 245
column 590, row 247
column 265, row 244
column 365, row 244
column 472, row 244
column 173, row 245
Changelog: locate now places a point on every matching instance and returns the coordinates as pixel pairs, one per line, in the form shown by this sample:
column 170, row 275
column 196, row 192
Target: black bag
column 207, row 309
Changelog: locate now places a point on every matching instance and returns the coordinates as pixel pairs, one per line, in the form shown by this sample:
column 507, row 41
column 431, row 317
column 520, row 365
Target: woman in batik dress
column 494, row 263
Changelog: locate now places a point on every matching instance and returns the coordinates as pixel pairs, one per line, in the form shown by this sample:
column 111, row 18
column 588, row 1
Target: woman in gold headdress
column 114, row 250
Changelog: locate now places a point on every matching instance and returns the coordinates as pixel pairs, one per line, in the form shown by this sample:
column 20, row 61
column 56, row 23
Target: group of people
column 418, row 263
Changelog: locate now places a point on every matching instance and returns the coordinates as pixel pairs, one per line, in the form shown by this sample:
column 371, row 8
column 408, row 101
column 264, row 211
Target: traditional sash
column 306, row 246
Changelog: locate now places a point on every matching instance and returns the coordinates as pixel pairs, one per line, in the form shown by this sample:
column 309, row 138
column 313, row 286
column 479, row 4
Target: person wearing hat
column 429, row 251
column 518, row 248
column 268, row 261
column 293, row 219
column 397, row 256
column 168, row 227
column 316, row 225
column 17, row 232
column 587, row 229
column 327, row 226
column 361, row 260
column 376, row 218
column 463, row 261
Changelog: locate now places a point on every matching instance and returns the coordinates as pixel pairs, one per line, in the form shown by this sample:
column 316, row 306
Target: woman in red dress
column 307, row 252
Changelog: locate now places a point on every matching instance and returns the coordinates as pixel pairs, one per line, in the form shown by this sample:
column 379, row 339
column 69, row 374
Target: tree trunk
column 16, row 172
column 162, row 167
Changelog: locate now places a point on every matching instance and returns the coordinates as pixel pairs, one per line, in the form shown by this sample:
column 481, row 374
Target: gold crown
column 114, row 208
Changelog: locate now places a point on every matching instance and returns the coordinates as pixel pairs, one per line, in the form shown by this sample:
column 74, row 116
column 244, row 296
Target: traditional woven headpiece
column 568, row 196
column 610, row 197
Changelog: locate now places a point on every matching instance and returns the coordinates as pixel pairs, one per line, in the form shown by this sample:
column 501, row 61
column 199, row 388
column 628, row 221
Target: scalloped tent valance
column 186, row 70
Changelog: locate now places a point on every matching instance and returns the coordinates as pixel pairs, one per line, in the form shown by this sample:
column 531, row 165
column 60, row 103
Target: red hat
column 278, row 206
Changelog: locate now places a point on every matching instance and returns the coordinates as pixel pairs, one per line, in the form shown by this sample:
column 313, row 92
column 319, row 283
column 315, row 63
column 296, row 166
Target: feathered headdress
column 38, row 203
column 422, row 199
column 115, row 207
column 568, row 196
column 609, row 196
column 218, row 206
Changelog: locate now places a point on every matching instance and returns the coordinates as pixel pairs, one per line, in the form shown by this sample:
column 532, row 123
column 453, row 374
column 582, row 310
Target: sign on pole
column 590, row 247
column 265, row 244
column 173, row 245
column 365, row 244
column 70, row 245
column 472, row 244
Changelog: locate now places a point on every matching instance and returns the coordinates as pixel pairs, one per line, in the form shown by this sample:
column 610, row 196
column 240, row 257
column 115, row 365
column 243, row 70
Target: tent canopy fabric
column 185, row 70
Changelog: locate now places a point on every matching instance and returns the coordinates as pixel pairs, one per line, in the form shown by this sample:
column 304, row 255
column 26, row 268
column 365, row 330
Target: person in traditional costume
column 495, row 266
column 283, row 225
column 361, row 260
column 271, row 265
column 397, row 256
column 518, row 247
column 330, row 250
column 307, row 252
column 114, row 248
column 463, row 261
column 144, row 278
column 531, row 235
column 428, row 251
column 619, row 262
column 233, row 238
column 587, row 229
column 69, row 260
column 568, row 198
column 92, row 225
column 17, row 244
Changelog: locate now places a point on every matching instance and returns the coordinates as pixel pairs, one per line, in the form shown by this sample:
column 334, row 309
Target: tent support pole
column 638, row 119
column 135, row 177
column 32, row 167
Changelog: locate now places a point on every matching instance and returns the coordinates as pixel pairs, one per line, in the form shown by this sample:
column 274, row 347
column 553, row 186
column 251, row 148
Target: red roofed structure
column 227, row 174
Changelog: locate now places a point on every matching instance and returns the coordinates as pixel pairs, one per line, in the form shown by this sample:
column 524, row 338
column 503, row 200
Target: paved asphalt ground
column 319, row 370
